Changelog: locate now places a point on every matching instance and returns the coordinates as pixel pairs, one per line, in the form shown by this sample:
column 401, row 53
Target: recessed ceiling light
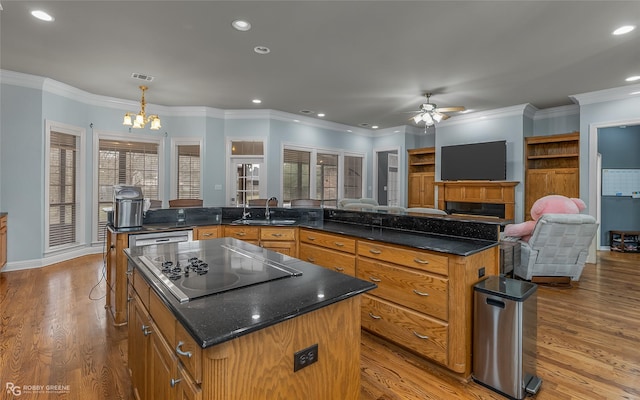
column 634, row 93
column 320, row 114
column 349, row 130
column 633, row 78
column 262, row 50
column 375, row 127
column 256, row 101
column 296, row 120
column 42, row 15
column 241, row 25
column 623, row 29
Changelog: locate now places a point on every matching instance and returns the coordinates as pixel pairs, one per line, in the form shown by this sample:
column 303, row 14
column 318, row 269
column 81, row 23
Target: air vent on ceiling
column 306, row 112
column 364, row 124
column 144, row 77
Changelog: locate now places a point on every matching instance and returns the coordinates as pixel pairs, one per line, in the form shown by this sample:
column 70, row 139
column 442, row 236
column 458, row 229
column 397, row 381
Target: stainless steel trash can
column 504, row 340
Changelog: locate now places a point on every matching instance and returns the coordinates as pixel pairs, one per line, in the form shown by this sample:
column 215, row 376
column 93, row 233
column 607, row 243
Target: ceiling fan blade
column 450, row 109
column 445, row 116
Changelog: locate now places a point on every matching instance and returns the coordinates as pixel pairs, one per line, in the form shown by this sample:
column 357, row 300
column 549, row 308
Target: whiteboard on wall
column 620, row 182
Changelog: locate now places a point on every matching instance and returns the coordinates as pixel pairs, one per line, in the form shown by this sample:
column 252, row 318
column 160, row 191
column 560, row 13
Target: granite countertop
column 224, row 316
column 421, row 240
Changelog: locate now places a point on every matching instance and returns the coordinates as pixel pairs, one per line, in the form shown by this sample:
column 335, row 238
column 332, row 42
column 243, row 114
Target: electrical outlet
column 306, row 357
column 481, row 272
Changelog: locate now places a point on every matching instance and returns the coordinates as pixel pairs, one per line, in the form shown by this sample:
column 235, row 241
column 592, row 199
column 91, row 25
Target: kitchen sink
column 264, row 222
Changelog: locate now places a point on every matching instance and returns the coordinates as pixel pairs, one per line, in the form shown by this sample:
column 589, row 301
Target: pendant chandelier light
column 141, row 119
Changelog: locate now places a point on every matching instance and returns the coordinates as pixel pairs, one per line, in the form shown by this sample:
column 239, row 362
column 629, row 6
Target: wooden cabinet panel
column 186, row 388
column 246, row 233
column 275, row 233
column 206, row 232
column 116, row 276
column 335, row 260
column 3, row 241
column 422, row 260
column 162, row 367
column 139, row 324
column 189, row 353
column 330, row 241
column 410, row 329
column 414, row 289
column 141, row 287
column 421, row 190
column 543, row 182
column 162, row 317
column 286, row 248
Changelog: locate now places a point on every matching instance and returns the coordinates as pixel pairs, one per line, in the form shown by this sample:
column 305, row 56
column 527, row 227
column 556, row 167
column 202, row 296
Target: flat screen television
column 485, row 161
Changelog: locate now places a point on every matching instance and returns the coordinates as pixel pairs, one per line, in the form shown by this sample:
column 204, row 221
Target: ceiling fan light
column 127, row 120
column 437, row 117
column 417, row 118
column 155, row 123
column 427, row 119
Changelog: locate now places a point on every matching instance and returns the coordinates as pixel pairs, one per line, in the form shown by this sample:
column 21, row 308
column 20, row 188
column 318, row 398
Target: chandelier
column 141, row 119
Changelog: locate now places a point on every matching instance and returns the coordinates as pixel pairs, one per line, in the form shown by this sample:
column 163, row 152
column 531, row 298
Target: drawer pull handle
column 419, row 293
column 375, row 316
column 311, row 238
column 182, row 353
column 276, row 234
column 420, row 261
column 241, row 233
column 174, row 382
column 145, row 330
column 339, row 244
column 420, row 336
column 311, row 259
column 340, row 269
column 375, row 279
column 375, row 251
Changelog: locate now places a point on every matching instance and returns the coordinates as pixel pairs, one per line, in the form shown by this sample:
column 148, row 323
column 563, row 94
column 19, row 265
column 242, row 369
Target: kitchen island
column 292, row 332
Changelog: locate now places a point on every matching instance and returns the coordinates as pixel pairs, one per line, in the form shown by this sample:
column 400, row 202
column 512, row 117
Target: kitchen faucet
column 267, row 213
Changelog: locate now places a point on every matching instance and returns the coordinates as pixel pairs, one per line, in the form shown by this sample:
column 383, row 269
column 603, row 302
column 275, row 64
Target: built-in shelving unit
column 552, row 167
column 421, row 177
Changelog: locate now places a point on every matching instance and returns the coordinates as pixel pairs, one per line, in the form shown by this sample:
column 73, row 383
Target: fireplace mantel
column 483, row 192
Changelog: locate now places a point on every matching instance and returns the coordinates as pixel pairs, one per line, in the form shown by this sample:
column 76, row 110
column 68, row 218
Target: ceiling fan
column 430, row 113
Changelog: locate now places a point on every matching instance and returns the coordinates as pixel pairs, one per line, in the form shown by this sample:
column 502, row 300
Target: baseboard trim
column 53, row 259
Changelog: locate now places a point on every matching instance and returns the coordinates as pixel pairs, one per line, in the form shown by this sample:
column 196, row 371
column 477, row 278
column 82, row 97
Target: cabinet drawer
column 162, row 317
column 335, row 260
column 206, row 232
column 286, row 248
column 286, row 234
column 407, row 328
column 409, row 258
column 142, row 288
column 188, row 352
column 411, row 288
column 329, row 241
column 242, row 232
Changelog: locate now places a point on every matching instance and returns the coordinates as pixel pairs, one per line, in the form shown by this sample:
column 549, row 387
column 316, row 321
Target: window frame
column 186, row 141
column 53, row 126
column 230, row 173
column 137, row 137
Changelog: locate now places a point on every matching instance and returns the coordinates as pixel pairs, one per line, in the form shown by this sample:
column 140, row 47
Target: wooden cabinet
column 3, row 241
column 249, row 234
column 328, row 250
column 139, row 328
column 116, row 276
column 552, row 167
column 207, row 232
column 424, row 299
column 421, row 177
column 501, row 193
column 279, row 239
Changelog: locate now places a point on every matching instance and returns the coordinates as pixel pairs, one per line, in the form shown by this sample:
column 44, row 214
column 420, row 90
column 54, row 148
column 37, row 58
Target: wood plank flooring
column 54, row 330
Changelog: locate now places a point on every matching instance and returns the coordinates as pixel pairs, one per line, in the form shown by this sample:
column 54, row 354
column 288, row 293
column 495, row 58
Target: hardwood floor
column 54, row 330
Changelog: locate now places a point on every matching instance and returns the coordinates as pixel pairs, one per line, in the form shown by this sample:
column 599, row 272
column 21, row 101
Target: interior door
column 248, row 182
column 388, row 185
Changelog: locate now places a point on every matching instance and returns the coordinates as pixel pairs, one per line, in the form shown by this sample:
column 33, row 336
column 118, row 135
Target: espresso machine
column 127, row 206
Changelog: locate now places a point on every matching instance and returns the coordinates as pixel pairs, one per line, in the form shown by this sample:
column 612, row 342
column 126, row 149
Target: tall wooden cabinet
column 421, row 177
column 3, row 240
column 552, row 167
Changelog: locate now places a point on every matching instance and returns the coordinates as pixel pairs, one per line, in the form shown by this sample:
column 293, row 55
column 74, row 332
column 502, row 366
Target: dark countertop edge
column 177, row 313
column 266, row 324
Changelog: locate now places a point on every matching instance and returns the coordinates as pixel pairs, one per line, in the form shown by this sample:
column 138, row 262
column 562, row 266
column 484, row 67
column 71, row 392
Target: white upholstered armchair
column 558, row 246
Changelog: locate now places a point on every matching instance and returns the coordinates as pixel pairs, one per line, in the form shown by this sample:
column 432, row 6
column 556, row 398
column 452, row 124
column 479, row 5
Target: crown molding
column 19, row 79
column 617, row 93
column 513, row 111
column 557, row 112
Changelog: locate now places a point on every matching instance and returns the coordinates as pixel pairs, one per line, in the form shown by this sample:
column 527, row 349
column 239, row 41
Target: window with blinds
column 327, row 179
column 188, row 173
column 125, row 163
column 63, row 206
column 296, row 173
column 353, row 177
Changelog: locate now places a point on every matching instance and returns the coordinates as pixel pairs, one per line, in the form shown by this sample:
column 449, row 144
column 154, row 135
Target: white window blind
column 327, row 179
column 63, row 207
column 125, row 163
column 188, row 172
